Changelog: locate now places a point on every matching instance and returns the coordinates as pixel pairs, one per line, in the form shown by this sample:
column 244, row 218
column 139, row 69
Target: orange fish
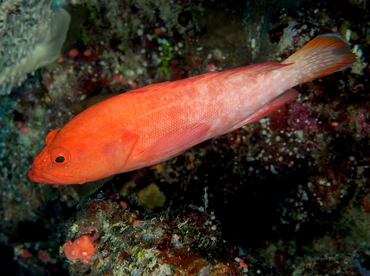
column 149, row 125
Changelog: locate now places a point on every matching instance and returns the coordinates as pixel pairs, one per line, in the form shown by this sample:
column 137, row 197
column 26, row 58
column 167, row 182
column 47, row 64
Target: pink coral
column 82, row 248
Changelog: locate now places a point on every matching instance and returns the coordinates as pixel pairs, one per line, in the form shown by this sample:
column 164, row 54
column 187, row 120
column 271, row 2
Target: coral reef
column 129, row 241
column 290, row 192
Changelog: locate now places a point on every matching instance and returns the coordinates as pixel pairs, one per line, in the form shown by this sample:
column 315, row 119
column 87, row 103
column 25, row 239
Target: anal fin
column 269, row 107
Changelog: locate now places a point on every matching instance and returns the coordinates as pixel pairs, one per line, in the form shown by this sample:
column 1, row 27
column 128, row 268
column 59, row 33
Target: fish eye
column 60, row 159
column 60, row 156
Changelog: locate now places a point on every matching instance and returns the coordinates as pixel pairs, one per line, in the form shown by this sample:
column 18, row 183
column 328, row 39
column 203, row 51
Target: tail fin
column 321, row 56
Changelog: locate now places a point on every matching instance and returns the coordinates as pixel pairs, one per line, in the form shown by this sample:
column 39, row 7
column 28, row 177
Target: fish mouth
column 46, row 178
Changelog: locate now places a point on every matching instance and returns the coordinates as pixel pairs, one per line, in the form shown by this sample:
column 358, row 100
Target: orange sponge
column 82, row 248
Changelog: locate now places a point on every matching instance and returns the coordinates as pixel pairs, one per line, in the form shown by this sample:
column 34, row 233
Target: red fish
column 149, row 125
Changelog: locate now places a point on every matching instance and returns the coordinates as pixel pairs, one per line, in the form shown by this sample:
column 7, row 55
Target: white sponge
column 35, row 42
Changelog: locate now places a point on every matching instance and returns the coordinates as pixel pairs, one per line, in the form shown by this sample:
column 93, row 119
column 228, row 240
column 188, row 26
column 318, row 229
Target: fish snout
column 34, row 176
column 31, row 175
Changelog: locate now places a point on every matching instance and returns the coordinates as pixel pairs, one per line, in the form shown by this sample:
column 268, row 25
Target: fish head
column 52, row 166
column 56, row 164
column 72, row 157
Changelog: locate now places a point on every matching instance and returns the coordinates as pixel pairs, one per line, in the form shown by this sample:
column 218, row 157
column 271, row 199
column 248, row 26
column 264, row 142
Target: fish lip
column 33, row 177
column 42, row 177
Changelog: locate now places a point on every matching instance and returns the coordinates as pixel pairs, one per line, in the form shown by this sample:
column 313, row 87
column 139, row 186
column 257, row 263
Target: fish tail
column 323, row 55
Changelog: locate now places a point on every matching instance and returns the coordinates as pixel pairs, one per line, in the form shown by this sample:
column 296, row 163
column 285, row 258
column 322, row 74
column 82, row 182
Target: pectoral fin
column 174, row 143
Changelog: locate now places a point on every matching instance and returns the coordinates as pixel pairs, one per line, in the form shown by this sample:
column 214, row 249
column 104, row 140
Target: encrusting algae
column 152, row 196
